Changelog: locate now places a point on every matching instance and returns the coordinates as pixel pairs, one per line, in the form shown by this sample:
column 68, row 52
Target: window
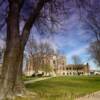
column 54, row 62
column 63, row 73
column 66, row 68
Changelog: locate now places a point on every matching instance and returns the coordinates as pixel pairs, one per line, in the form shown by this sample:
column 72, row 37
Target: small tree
column 76, row 59
column 94, row 51
column 38, row 52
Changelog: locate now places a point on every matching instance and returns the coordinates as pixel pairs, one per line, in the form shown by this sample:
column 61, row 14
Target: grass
column 28, row 78
column 65, row 88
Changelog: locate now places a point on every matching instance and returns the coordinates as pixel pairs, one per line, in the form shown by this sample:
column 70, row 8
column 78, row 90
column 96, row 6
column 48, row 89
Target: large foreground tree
column 18, row 17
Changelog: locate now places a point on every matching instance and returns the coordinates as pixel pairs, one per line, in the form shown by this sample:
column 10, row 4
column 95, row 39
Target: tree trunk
column 10, row 82
column 13, row 57
column 12, row 70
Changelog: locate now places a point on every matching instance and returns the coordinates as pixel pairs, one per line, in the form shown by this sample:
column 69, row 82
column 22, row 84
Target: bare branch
column 2, row 2
column 31, row 20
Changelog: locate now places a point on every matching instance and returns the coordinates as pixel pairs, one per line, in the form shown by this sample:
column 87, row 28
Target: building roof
column 75, row 65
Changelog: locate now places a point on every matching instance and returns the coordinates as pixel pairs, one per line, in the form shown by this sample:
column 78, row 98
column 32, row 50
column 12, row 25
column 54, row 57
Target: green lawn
column 65, row 88
column 28, row 78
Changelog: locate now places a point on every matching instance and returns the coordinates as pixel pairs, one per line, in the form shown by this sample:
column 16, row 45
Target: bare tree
column 94, row 50
column 91, row 20
column 93, row 24
column 91, row 10
column 76, row 59
column 37, row 53
column 42, row 13
column 46, row 51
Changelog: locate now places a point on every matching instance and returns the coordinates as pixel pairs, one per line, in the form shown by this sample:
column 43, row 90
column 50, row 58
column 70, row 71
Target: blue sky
column 71, row 39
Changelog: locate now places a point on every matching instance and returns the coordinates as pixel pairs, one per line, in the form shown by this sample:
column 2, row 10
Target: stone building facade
column 58, row 65
column 78, row 69
column 37, row 62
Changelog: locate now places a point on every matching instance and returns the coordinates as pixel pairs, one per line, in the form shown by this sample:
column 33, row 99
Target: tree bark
column 12, row 69
column 11, row 82
column 12, row 66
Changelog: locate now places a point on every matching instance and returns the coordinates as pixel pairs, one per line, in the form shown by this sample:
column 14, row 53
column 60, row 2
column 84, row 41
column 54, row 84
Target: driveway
column 93, row 96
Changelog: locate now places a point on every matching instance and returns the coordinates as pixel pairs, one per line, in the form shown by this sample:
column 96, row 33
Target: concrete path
column 38, row 79
column 93, row 96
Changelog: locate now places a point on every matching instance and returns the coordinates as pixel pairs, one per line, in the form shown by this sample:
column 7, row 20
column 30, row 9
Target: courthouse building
column 37, row 61
column 57, row 63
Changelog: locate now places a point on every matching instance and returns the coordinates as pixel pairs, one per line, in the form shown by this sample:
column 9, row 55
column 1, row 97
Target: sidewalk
column 93, row 96
column 38, row 79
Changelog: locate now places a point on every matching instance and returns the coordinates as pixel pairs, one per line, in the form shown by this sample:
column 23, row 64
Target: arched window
column 63, row 73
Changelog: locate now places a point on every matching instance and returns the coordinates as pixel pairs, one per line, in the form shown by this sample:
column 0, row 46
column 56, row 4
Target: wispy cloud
column 81, row 52
column 78, row 51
